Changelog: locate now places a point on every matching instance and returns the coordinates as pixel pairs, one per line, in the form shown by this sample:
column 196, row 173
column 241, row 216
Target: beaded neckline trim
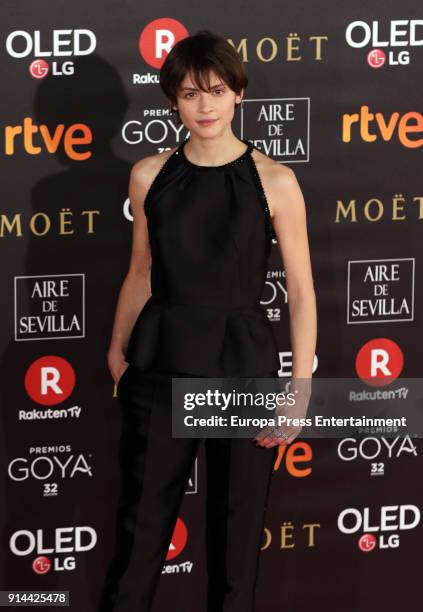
column 271, row 234
column 180, row 151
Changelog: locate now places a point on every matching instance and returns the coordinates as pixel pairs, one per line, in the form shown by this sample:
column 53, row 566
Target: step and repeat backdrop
column 335, row 93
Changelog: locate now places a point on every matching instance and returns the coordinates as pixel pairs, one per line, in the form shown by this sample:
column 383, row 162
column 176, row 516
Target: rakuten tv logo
column 179, row 540
column 379, row 362
column 158, row 38
column 50, row 380
column 177, row 545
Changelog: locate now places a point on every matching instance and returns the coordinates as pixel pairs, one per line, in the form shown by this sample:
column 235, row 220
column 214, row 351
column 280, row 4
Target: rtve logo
column 379, row 362
column 46, row 140
column 157, row 39
column 297, row 458
column 370, row 127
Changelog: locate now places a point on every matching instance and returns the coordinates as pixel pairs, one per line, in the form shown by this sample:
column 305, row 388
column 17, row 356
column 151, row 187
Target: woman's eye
column 191, row 94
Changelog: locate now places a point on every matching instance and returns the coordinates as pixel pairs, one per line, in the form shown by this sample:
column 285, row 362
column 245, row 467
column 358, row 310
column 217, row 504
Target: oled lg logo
column 379, row 362
column 381, row 528
column 285, row 359
column 155, row 43
column 397, row 33
column 63, row 541
column 59, row 43
column 177, row 545
column 49, row 381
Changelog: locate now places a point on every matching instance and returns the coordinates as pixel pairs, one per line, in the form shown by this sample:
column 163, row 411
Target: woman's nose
column 205, row 104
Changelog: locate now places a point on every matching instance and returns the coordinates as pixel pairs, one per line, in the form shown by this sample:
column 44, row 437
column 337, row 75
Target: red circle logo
column 379, row 362
column 39, row 69
column 179, row 540
column 367, row 542
column 49, row 380
column 376, row 58
column 158, row 38
column 41, row 565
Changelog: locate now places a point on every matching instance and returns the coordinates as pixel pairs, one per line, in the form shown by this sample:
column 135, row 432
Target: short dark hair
column 199, row 54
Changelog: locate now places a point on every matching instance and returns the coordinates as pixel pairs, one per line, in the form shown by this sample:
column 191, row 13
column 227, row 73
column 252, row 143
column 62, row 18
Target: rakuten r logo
column 379, row 362
column 158, row 38
column 50, row 380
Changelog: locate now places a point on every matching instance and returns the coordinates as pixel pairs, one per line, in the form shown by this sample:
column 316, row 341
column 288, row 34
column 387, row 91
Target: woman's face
column 196, row 106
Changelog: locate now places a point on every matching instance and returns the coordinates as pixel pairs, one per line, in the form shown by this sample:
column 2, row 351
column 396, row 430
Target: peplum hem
column 203, row 340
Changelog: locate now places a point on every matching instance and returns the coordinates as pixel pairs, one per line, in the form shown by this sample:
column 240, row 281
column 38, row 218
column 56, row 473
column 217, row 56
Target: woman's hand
column 116, row 362
column 287, row 432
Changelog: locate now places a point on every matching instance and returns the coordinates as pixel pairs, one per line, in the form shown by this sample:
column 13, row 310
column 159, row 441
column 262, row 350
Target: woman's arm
column 289, row 221
column 288, row 210
column 136, row 288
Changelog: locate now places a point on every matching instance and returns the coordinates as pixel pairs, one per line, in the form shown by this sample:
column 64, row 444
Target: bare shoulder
column 275, row 177
column 145, row 170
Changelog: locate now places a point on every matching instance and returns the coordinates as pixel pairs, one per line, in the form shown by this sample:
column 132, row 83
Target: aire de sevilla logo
column 179, row 540
column 49, row 380
column 158, row 38
column 379, row 362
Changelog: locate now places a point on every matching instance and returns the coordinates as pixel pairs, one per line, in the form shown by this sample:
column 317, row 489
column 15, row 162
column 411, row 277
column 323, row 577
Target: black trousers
column 154, row 470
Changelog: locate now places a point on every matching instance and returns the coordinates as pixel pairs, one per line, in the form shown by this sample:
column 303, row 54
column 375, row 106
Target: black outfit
column 210, row 235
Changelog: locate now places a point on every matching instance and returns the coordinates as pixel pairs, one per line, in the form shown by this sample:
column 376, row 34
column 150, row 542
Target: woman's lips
column 206, row 121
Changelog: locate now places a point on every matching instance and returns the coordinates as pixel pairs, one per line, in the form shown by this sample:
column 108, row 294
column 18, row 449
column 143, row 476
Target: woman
column 204, row 213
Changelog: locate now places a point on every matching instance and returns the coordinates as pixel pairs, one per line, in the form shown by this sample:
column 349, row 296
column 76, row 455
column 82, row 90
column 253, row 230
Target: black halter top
column 210, row 234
